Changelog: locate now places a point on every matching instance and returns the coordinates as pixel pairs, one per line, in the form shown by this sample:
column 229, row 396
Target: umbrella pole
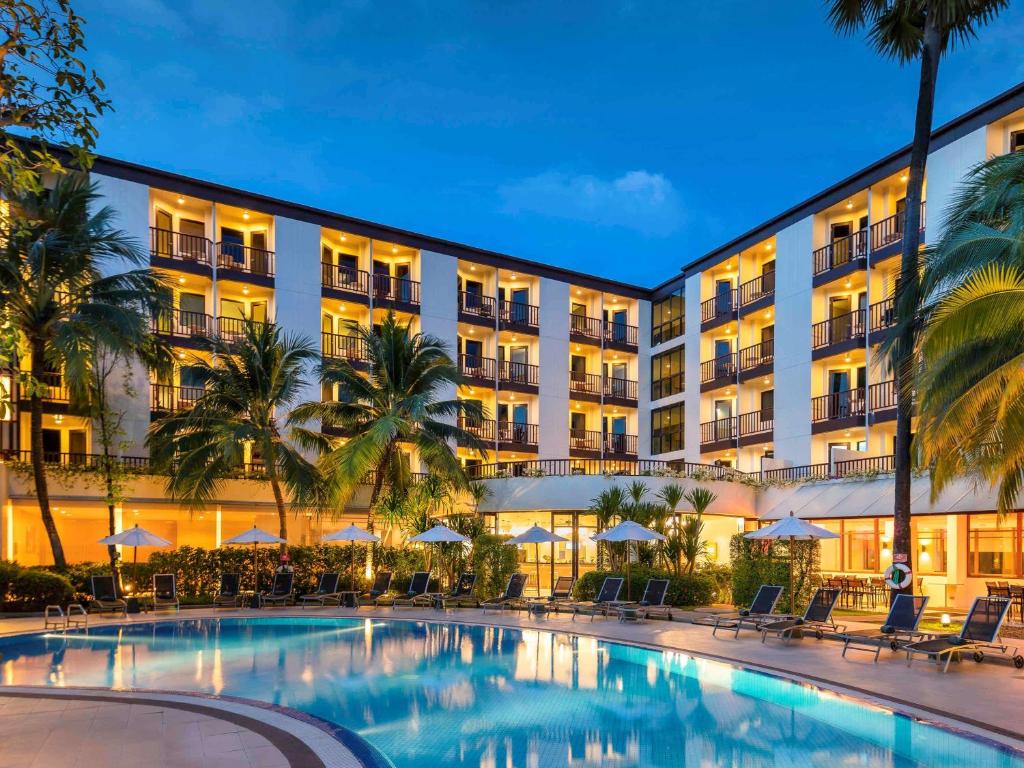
column 352, row 566
column 792, row 597
column 536, row 556
column 135, row 565
column 628, row 589
column 255, row 570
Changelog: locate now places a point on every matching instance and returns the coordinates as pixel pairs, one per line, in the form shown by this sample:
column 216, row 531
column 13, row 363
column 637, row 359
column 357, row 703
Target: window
column 667, row 373
column 930, row 545
column 1017, row 141
column 860, row 544
column 667, row 321
column 993, row 545
column 667, row 429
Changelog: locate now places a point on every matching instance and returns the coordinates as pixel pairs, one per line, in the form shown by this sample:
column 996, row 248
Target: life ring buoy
column 905, row 579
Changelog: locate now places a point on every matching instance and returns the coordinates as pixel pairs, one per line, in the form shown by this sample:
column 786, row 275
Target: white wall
column 439, row 294
column 554, row 369
column 691, row 355
column 643, row 439
column 947, row 167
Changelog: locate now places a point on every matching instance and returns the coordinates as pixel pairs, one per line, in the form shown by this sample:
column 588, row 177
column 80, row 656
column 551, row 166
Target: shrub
column 721, row 575
column 685, row 590
column 33, row 590
column 757, row 562
column 493, row 561
column 8, row 573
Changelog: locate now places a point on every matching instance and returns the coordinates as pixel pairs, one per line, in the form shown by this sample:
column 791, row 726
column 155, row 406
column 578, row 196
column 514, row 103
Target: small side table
column 348, row 599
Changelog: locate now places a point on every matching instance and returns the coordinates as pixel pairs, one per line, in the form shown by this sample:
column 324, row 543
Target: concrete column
column 643, row 425
column 691, row 395
column 439, row 305
column 947, row 167
column 554, row 369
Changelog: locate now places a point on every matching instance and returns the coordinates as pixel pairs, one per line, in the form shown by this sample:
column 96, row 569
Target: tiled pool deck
column 980, row 698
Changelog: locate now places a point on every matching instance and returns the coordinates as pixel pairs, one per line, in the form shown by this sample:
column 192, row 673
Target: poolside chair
column 378, row 590
column 816, row 618
column 561, row 593
column 461, row 595
column 282, row 592
column 900, row 626
column 761, row 609
column 230, row 593
column 326, row 589
column 979, row 633
column 105, row 596
column 607, row 599
column 651, row 604
column 165, row 591
column 511, row 598
column 417, row 594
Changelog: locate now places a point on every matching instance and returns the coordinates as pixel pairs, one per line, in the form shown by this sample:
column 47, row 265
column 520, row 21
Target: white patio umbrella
column 255, row 536
column 628, row 531
column 352, row 534
column 135, row 537
column 536, row 536
column 439, row 534
column 794, row 529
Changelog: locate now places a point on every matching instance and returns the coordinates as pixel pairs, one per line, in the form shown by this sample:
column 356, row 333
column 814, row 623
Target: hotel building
column 754, row 370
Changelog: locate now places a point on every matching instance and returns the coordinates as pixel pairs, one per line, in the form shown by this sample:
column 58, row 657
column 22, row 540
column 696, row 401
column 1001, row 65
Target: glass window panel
column 991, row 545
column 930, row 545
column 861, row 545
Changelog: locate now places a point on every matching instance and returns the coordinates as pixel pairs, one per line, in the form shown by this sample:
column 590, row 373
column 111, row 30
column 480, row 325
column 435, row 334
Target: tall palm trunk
column 38, row 464
column 108, row 479
column 282, row 512
column 908, row 290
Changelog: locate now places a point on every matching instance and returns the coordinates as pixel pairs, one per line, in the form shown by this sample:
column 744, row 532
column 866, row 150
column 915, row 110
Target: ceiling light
column 245, row 215
column 847, row 434
column 515, row 277
column 615, row 301
column 181, row 281
column 181, row 200
column 903, row 177
column 767, row 380
column 472, row 331
column 515, row 338
column 472, row 268
column 394, row 249
column 578, row 291
column 341, row 307
column 847, row 358
column 849, row 283
column 767, row 313
column 728, row 391
column 849, row 204
column 181, row 355
column 245, row 291
column 769, row 247
column 58, row 419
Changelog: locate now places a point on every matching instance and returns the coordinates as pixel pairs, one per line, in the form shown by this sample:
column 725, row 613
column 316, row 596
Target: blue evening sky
column 621, row 139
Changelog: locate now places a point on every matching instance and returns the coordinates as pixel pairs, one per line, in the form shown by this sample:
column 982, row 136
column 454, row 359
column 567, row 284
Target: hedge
column 32, row 589
column 757, row 562
column 686, row 590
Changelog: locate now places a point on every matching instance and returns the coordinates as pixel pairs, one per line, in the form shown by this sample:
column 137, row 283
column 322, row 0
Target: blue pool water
column 450, row 695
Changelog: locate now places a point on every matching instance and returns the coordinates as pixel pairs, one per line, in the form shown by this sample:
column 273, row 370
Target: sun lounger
column 165, row 591
column 230, row 593
column 105, row 596
column 512, row 597
column 282, row 592
column 899, row 627
column 979, row 634
column 561, row 594
column 761, row 609
column 651, row 604
column 607, row 599
column 461, row 596
column 417, row 594
column 817, row 618
column 326, row 590
column 378, row 590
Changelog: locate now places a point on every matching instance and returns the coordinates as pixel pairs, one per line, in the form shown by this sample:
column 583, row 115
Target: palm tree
column 250, row 382
column 607, row 506
column 398, row 403
column 907, row 30
column 672, row 496
column 693, row 527
column 972, row 351
column 61, row 297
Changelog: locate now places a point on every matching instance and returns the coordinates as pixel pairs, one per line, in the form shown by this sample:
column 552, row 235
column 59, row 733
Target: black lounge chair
column 230, row 593
column 282, row 592
column 607, row 599
column 165, row 591
column 651, row 604
column 512, row 597
column 105, row 596
column 979, row 633
column 417, row 594
column 899, row 627
column 461, row 596
column 762, row 609
column 561, row 593
column 817, row 618
column 378, row 590
column 326, row 590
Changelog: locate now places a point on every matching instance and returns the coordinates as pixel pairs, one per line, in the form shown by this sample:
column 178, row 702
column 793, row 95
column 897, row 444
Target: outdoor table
column 348, row 599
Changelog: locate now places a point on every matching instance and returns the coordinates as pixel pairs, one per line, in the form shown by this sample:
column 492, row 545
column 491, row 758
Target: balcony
column 882, row 316
column 179, row 247
column 619, row 445
column 718, row 372
column 870, row 465
column 53, row 389
column 840, row 257
column 339, row 347
column 345, row 282
column 477, row 308
column 882, row 398
column 584, row 442
column 181, row 325
column 621, row 335
column 246, row 261
column 838, row 410
column 517, row 316
column 757, row 360
column 838, row 334
column 518, row 376
column 586, row 386
column 586, row 330
column 515, row 436
column 397, row 292
column 718, row 434
column 887, row 235
column 168, row 398
column 757, row 293
column 478, row 369
column 233, row 328
column 620, row 390
column 482, row 429
column 755, row 427
column 718, row 310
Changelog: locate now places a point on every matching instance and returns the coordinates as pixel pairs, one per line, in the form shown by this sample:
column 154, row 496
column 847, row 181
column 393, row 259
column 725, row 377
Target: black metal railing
column 869, row 465
column 52, row 389
column 838, row 405
column 838, row 329
column 757, row 355
column 621, row 333
column 584, row 440
column 233, row 328
column 477, row 305
column 841, row 252
column 480, row 428
column 520, row 314
column 756, row 423
column 82, row 460
column 179, row 246
column 341, row 347
column 722, row 367
column 621, row 389
column 510, row 372
column 245, row 258
column 179, row 323
column 793, row 474
column 883, row 315
column 170, row 398
column 584, row 383
column 518, row 433
column 718, row 430
column 760, row 287
column 889, row 231
column 620, row 444
column 397, row 289
column 882, row 396
column 344, row 278
column 718, row 307
column 585, row 327
column 477, row 367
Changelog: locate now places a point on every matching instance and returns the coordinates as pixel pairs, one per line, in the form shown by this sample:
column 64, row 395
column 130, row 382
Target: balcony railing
column 841, row 252
column 719, row 368
column 883, row 315
column 619, row 444
column 621, row 333
column 340, row 347
column 584, row 383
column 838, row 329
column 836, row 406
column 233, row 328
column 398, row 289
column 756, row 423
column 245, row 258
column 882, row 396
column 344, row 278
column 621, row 389
column 718, row 430
column 170, row 398
column 179, row 246
column 518, row 433
column 80, row 460
column 563, row 467
column 510, row 372
column 477, row 305
column 792, row 474
column 760, row 287
column 584, row 440
column 520, row 314
column 483, row 429
column 889, row 230
column 757, row 355
column 53, row 389
column 180, row 324
column 718, row 307
column 585, row 327
column 869, row 465
column 476, row 367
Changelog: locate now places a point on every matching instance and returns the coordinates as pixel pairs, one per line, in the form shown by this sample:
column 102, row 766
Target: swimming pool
column 438, row 695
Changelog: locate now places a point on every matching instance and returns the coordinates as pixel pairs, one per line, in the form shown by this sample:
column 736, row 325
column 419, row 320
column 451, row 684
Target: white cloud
column 639, row 200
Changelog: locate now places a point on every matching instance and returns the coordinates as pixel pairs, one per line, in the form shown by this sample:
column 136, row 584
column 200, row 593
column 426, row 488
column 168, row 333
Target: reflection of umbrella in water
column 439, row 534
column 255, row 536
column 135, row 537
column 536, row 536
column 352, row 534
column 793, row 529
column 628, row 531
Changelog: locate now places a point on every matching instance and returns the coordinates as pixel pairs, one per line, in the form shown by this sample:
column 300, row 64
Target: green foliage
column 8, row 573
column 686, row 590
column 33, row 589
column 767, row 562
column 721, row 575
column 493, row 561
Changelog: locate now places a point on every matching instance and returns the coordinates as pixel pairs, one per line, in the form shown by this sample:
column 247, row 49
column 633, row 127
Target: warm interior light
column 472, row 268
column 181, row 200
column 394, row 249
column 58, row 419
column 903, row 177
column 767, row 380
column 245, row 291
column 343, row 238
column 472, row 331
column 578, row 291
column 769, row 247
column 181, row 281
column 181, row 355
column 515, row 277
column 245, row 215
column 341, row 307
column 849, row 204
column 944, row 620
